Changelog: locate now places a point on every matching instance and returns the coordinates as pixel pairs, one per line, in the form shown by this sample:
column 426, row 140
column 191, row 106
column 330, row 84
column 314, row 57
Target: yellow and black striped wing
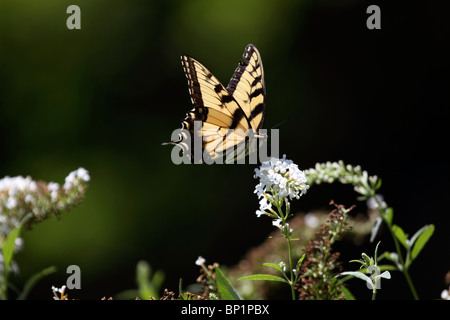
column 248, row 87
column 225, row 122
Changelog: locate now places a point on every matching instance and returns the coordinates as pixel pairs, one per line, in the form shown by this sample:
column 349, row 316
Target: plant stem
column 411, row 285
column 292, row 284
column 404, row 269
column 4, row 288
column 287, row 234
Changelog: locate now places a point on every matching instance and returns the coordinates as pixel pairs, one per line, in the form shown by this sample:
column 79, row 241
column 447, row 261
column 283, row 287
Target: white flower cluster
column 20, row 196
column 75, row 178
column 278, row 179
column 12, row 188
column 331, row 171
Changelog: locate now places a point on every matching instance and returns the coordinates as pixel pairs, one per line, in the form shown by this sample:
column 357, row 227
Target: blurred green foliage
column 106, row 96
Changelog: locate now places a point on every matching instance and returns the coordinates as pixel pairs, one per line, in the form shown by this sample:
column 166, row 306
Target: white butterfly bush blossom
column 21, row 196
column 347, row 174
column 279, row 180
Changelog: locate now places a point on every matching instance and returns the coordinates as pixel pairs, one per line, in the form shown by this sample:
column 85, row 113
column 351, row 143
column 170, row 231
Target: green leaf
column 180, row 288
column 358, row 275
column 300, row 262
column 225, row 288
column 347, row 294
column 423, row 237
column 376, row 253
column 400, row 235
column 393, row 257
column 417, row 234
column 8, row 248
column 359, row 261
column 148, row 282
column 378, row 185
column 389, row 215
column 10, row 243
column 31, row 282
column 273, row 265
column 267, row 277
column 367, row 260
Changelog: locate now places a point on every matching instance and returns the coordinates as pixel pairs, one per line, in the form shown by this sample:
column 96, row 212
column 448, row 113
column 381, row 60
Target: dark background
column 106, row 96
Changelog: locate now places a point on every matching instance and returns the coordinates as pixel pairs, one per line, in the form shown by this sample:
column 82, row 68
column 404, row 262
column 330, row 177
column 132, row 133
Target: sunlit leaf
column 10, row 244
column 226, row 290
column 423, row 237
column 267, row 277
column 400, row 235
column 273, row 265
column 300, row 261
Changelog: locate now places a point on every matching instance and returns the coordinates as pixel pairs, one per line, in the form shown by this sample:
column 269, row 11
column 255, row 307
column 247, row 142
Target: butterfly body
column 230, row 117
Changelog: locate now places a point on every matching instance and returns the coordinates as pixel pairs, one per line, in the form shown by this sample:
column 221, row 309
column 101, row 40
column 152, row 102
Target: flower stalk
column 280, row 181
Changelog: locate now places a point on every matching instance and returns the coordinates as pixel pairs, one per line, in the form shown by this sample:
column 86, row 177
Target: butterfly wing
column 226, row 114
column 248, row 87
column 224, row 123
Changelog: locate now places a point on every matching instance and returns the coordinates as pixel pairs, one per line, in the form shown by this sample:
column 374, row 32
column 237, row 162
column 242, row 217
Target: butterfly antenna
column 279, row 124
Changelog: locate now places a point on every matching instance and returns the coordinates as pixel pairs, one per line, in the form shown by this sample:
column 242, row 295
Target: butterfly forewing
column 248, row 87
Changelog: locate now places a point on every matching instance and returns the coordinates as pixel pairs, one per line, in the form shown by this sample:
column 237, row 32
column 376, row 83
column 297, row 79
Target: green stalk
column 397, row 248
column 292, row 284
column 286, row 234
column 3, row 289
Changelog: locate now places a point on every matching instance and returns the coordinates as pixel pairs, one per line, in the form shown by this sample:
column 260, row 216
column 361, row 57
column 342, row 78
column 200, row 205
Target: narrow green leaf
column 10, row 243
column 367, row 259
column 347, row 294
column 144, row 281
column 267, row 277
column 31, row 282
column 180, row 288
column 417, row 234
column 389, row 215
column 358, row 275
column 225, row 288
column 422, row 239
column 363, row 197
column 300, row 262
column 8, row 248
column 400, row 235
column 393, row 257
column 359, row 261
column 376, row 253
column 378, row 185
column 273, row 265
